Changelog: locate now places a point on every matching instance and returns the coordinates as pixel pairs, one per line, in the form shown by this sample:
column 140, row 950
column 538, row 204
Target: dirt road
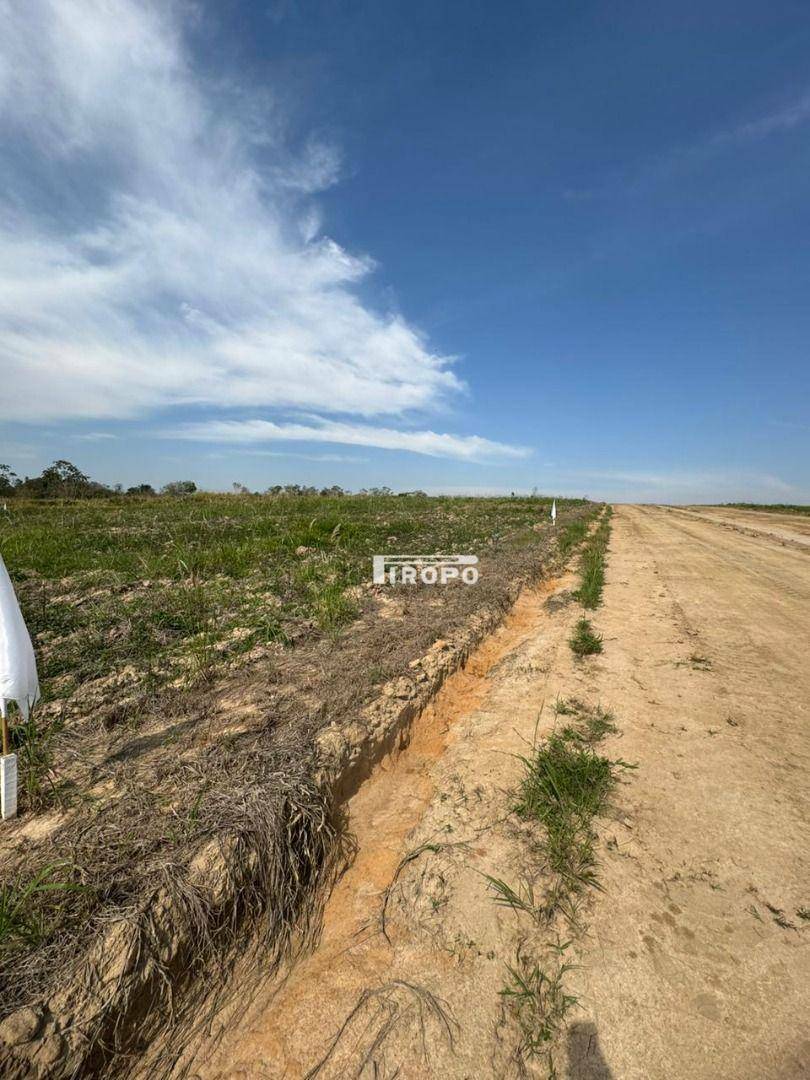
column 697, row 963
column 787, row 529
column 694, row 958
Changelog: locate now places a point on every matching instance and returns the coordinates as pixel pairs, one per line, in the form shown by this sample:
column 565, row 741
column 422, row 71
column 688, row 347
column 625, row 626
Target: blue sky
column 466, row 247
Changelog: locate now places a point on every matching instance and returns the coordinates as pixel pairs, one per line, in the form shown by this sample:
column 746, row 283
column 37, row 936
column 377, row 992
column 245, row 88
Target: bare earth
column 788, row 529
column 694, row 960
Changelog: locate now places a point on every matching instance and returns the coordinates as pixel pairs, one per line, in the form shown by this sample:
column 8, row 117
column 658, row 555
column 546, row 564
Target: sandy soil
column 693, row 961
column 792, row 529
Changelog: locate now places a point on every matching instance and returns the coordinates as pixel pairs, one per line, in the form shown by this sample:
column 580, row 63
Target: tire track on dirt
column 784, row 529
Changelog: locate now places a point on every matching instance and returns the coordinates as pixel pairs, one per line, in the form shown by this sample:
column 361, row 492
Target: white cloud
column 684, row 160
column 160, row 246
column 786, row 118
column 345, row 459
column 431, row 443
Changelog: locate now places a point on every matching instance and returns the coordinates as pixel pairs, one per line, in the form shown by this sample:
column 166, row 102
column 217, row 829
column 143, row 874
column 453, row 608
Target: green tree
column 8, row 480
column 179, row 487
column 63, row 480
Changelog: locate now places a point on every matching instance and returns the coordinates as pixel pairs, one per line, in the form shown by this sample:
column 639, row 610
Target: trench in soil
column 381, row 815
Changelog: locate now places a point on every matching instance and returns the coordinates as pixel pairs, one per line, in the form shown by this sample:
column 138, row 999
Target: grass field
column 168, row 590
column 774, row 508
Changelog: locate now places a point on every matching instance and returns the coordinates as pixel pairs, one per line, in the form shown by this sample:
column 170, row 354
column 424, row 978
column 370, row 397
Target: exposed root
column 373, row 1020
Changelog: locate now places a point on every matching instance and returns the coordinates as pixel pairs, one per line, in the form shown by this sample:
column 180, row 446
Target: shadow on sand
column 585, row 1060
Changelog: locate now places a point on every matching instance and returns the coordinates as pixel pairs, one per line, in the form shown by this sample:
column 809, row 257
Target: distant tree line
column 64, row 480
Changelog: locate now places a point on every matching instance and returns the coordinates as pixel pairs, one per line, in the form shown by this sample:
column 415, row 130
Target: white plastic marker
column 18, row 682
column 554, row 512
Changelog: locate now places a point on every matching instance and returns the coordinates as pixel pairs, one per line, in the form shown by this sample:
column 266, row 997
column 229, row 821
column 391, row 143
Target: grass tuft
column 590, row 724
column 538, row 1001
column 25, row 918
column 584, row 641
column 565, row 786
column 32, row 742
column 592, row 564
column 520, row 899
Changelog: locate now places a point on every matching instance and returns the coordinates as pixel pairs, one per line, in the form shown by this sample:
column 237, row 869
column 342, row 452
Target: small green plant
column 565, row 785
column 590, row 725
column 33, row 746
column 521, row 899
column 327, row 597
column 599, row 723
column 22, row 918
column 202, row 657
column 538, row 1002
column 332, row 607
column 584, row 641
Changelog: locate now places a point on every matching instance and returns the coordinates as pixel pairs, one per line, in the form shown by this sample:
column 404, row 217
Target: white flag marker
column 18, row 682
column 554, row 512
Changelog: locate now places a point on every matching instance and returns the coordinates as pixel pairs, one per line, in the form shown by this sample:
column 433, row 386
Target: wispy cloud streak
column 160, row 245
column 431, row 443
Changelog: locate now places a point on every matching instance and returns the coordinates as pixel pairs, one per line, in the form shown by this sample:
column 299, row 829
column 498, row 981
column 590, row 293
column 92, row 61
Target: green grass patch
column 129, row 538
column 539, row 1003
column 592, row 564
column 566, row 784
column 33, row 746
column 29, row 909
column 584, row 641
column 177, row 588
column 774, row 508
column 572, row 534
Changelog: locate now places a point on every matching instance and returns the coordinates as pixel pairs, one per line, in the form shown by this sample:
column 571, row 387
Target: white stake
column 18, row 682
column 554, row 512
column 8, row 786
